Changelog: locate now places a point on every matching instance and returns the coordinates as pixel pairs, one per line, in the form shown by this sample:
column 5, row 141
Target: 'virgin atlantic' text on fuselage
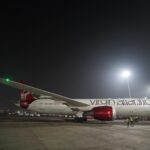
column 120, row 102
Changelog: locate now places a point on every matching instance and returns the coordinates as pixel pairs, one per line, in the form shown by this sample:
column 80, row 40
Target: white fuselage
column 122, row 107
column 49, row 106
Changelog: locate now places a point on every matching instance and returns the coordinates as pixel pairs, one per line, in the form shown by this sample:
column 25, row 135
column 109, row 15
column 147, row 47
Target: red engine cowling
column 104, row 113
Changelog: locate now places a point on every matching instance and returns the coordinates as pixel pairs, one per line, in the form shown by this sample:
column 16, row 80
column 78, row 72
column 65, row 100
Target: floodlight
column 126, row 74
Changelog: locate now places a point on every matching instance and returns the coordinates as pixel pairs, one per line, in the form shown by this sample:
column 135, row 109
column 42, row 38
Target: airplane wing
column 57, row 97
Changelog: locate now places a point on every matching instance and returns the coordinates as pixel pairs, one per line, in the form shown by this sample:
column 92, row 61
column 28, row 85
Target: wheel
column 80, row 119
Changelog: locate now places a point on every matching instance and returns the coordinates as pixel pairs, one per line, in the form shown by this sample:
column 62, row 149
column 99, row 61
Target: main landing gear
column 80, row 117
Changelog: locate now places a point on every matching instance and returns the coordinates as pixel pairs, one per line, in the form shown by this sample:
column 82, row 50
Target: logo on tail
column 26, row 99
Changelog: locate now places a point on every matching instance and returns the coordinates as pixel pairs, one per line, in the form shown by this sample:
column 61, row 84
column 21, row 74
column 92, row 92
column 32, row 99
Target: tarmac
column 30, row 134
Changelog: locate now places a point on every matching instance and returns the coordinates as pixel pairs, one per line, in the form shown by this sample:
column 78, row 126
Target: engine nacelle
column 104, row 113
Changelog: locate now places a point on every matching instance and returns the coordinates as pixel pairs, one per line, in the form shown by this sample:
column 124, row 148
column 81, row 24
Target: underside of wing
column 57, row 97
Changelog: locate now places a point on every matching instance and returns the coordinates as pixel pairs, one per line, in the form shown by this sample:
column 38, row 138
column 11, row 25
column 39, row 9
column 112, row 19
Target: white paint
column 121, row 107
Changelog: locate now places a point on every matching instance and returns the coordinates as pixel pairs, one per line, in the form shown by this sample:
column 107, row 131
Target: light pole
column 126, row 74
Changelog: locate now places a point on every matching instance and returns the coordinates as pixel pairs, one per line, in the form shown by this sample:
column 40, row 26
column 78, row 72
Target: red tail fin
column 26, row 98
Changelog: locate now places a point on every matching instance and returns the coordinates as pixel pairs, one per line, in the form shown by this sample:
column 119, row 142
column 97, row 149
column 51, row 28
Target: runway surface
column 60, row 135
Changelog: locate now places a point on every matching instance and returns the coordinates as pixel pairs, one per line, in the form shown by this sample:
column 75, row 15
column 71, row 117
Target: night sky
column 76, row 48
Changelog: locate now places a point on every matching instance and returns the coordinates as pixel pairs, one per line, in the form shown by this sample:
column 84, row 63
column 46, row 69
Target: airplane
column 41, row 101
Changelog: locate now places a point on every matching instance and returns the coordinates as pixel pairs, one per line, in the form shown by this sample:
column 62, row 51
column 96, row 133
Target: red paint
column 26, row 99
column 24, row 104
column 104, row 113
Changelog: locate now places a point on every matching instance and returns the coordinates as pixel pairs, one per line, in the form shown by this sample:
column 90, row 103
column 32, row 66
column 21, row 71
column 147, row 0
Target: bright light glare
column 7, row 79
column 126, row 74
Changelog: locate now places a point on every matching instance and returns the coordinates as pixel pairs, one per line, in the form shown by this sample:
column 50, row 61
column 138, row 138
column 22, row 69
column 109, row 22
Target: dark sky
column 76, row 48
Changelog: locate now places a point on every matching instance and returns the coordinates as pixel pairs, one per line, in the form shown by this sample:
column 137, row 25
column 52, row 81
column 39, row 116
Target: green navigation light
column 7, row 79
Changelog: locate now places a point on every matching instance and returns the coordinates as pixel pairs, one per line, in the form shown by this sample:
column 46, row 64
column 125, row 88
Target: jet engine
column 104, row 113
